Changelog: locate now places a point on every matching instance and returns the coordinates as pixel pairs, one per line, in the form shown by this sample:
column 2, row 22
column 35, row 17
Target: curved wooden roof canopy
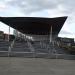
column 35, row 25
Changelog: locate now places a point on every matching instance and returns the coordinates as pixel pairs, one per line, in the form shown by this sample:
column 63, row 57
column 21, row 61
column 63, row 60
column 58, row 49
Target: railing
column 31, row 47
column 10, row 47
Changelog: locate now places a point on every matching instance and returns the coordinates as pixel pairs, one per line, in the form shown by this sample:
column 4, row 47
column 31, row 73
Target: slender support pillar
column 51, row 35
column 9, row 34
column 9, row 50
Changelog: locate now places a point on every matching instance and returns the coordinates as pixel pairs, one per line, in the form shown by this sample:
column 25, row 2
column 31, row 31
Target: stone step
column 3, row 48
column 3, row 53
column 21, row 54
column 21, row 49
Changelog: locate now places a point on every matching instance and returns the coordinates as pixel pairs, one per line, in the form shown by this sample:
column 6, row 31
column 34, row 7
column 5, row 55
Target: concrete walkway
column 36, row 66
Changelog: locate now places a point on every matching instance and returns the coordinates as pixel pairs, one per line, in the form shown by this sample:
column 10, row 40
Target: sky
column 40, row 8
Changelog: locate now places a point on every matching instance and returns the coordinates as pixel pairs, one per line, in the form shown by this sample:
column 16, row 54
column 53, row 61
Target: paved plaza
column 36, row 66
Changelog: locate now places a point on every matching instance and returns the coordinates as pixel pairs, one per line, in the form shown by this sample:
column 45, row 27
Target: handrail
column 31, row 47
column 10, row 47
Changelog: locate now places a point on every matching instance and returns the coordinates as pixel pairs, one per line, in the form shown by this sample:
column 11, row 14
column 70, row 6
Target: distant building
column 1, row 35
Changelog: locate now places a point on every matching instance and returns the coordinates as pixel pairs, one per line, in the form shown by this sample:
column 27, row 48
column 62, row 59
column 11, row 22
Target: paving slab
column 36, row 66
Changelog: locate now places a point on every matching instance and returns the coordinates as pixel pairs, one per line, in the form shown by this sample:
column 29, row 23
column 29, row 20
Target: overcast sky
column 41, row 8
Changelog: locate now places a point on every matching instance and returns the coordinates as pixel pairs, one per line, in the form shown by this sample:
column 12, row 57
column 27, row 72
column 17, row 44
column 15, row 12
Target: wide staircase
column 31, row 49
column 20, row 49
column 46, row 47
column 39, row 47
column 58, row 50
column 4, row 48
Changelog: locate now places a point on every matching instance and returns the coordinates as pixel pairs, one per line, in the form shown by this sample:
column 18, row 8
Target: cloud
column 28, row 6
column 2, row 6
column 31, row 6
column 41, row 8
column 6, row 28
column 65, row 32
column 65, row 7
